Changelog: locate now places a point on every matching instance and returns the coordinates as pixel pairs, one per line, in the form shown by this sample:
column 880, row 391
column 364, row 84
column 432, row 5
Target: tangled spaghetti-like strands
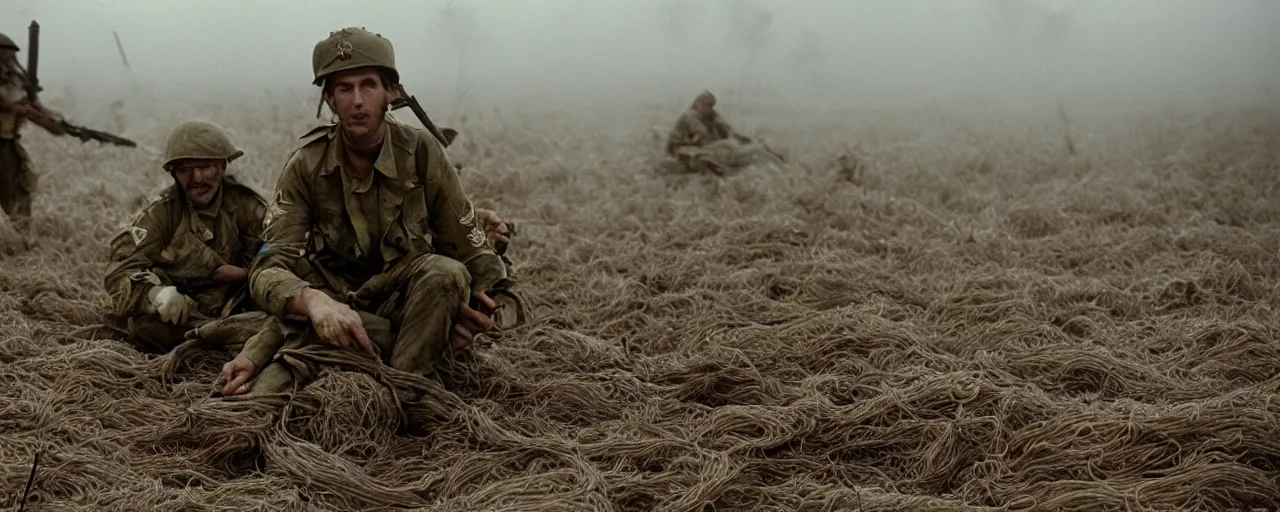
column 949, row 319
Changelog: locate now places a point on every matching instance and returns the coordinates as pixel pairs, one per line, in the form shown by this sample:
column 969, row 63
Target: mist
column 970, row 246
column 834, row 52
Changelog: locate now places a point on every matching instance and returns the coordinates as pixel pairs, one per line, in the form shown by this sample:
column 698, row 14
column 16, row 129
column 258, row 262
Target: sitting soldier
column 370, row 244
column 184, row 261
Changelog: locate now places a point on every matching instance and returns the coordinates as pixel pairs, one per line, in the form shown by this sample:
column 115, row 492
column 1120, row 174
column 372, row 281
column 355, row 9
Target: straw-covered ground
column 924, row 311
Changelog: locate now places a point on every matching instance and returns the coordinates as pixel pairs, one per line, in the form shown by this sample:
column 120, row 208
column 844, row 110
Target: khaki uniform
column 402, row 246
column 17, row 179
column 693, row 129
column 172, row 243
column 703, row 143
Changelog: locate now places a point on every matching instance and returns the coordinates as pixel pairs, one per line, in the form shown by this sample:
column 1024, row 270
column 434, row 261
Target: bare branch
column 463, row 27
column 752, row 24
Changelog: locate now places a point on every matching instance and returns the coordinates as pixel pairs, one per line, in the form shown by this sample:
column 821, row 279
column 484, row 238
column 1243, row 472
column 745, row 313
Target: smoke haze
column 839, row 51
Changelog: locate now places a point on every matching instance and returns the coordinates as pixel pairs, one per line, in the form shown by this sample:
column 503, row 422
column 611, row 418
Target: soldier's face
column 706, row 105
column 200, row 179
column 7, row 55
column 360, row 99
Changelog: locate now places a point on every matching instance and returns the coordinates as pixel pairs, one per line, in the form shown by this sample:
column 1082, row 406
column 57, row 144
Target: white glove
column 170, row 304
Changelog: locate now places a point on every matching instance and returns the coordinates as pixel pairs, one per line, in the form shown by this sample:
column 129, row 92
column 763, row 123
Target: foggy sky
column 868, row 49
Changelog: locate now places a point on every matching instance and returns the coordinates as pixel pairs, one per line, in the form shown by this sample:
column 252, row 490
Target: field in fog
column 929, row 309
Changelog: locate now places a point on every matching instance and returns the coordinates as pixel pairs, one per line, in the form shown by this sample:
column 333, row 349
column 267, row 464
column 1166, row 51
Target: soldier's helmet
column 199, row 140
column 7, row 43
column 352, row 48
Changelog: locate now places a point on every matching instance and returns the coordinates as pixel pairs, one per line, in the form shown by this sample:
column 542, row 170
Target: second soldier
column 184, row 260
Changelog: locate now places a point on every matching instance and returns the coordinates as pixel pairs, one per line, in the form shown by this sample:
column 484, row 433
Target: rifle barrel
column 33, row 56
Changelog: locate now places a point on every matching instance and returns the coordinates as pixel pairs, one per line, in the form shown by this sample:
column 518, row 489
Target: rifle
column 33, row 59
column 405, row 100
column 85, row 134
column 59, row 126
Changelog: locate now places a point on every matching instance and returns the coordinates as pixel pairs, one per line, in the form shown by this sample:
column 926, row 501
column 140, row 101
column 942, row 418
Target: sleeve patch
column 476, row 236
column 137, row 234
column 469, row 217
column 276, row 209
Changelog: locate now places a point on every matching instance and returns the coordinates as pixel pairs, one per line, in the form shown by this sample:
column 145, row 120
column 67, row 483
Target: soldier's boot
column 231, row 332
column 150, row 334
column 433, row 287
column 511, row 311
column 21, row 209
column 275, row 378
column 17, row 206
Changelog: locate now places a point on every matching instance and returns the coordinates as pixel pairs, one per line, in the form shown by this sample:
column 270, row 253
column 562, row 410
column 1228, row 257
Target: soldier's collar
column 385, row 164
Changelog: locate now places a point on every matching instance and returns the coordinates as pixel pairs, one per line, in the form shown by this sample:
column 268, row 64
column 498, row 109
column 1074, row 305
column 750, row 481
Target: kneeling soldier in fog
column 704, row 142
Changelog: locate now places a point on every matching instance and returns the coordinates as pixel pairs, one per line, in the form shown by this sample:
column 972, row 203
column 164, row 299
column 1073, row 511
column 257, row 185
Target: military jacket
column 318, row 229
column 693, row 129
column 11, row 91
column 171, row 243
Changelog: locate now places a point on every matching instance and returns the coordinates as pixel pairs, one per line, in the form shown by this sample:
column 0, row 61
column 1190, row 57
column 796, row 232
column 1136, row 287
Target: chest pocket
column 326, row 232
column 189, row 255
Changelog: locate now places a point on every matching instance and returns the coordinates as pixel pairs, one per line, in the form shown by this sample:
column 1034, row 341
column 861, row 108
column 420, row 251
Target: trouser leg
column 410, row 331
column 433, row 287
column 16, row 181
column 701, row 163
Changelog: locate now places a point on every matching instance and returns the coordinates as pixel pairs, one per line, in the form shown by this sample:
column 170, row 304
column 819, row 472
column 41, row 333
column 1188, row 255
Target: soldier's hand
column 491, row 222
column 338, row 324
column 495, row 229
column 21, row 109
column 236, row 373
column 742, row 138
column 468, row 322
column 171, row 305
column 229, row 274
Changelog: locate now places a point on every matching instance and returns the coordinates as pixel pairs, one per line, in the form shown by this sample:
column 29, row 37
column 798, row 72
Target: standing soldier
column 18, row 104
column 184, row 261
column 704, row 142
column 17, row 179
column 370, row 231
